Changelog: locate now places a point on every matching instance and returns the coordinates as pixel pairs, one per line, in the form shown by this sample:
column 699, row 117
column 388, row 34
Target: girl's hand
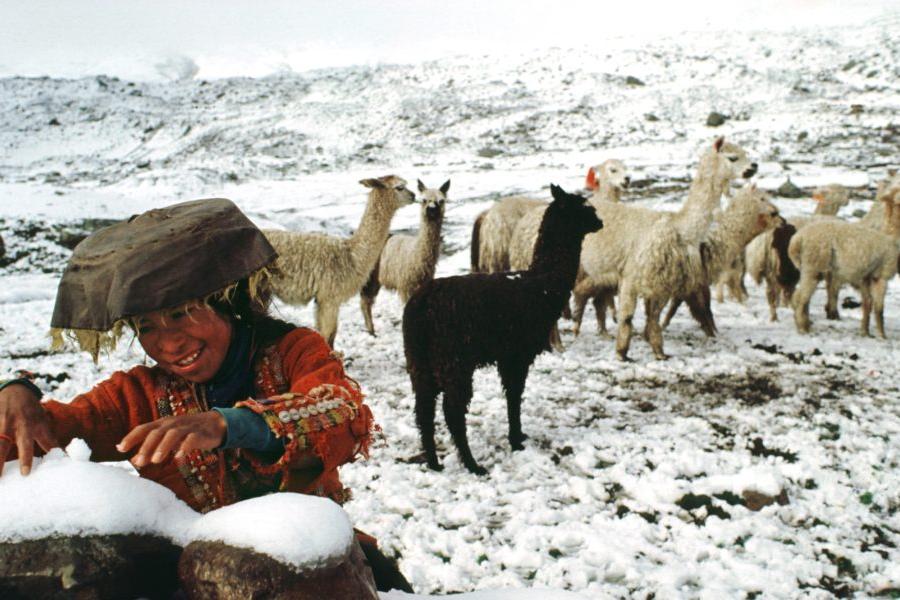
column 22, row 423
column 159, row 439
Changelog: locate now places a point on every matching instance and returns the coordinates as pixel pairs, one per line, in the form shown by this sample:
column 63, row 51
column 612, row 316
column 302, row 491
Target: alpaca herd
column 529, row 257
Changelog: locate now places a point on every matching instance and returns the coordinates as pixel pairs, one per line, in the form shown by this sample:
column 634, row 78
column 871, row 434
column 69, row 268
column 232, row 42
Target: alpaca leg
column 866, row 292
column 365, row 304
column 772, row 298
column 426, row 397
column 720, row 291
column 879, row 289
column 567, row 311
column 647, row 308
column 653, row 308
column 326, row 320
column 579, row 302
column 367, row 297
column 513, row 376
column 600, row 301
column 831, row 305
column 456, row 403
column 700, row 303
column 800, row 300
column 580, row 294
column 627, row 304
column 673, row 308
column 555, row 341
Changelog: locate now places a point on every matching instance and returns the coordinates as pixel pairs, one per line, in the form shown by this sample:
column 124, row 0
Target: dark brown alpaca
column 454, row 325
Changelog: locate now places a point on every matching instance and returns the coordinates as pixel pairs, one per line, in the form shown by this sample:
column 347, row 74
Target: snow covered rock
column 276, row 546
column 217, row 570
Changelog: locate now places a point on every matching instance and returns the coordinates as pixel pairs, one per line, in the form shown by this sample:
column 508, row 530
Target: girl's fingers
column 170, row 441
column 25, row 443
column 5, row 445
column 135, row 436
column 148, row 447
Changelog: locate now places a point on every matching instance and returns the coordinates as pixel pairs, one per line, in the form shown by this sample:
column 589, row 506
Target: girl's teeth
column 189, row 360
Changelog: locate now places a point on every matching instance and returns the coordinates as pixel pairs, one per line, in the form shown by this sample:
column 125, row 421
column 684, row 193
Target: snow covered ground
column 632, row 481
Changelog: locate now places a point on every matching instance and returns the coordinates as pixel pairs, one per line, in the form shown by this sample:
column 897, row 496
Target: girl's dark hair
column 251, row 310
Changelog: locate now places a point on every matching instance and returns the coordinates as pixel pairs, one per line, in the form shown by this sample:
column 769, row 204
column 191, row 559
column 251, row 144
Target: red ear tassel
column 591, row 180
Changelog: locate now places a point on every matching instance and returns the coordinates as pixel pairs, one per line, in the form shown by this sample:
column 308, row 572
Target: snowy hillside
column 639, row 478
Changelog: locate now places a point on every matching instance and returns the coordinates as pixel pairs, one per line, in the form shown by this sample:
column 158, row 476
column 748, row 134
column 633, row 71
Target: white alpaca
column 408, row 261
column 610, row 256
column 848, row 253
column 762, row 258
column 493, row 228
column 331, row 270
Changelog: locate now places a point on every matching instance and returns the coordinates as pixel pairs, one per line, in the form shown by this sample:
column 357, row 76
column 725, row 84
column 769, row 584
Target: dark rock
column 88, row 568
column 2, row 250
column 859, row 213
column 213, row 570
column 488, row 152
column 630, row 80
column 651, row 117
column 715, row 119
column 802, row 136
column 856, row 109
column 850, row 302
column 757, row 500
column 789, row 190
column 53, row 122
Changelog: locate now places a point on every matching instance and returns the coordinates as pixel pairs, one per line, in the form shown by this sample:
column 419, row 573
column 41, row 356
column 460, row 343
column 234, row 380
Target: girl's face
column 190, row 341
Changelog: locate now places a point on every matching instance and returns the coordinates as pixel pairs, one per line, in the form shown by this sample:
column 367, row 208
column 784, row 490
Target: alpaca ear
column 718, row 143
column 445, row 188
column 373, row 183
column 556, row 191
column 590, row 181
column 422, row 187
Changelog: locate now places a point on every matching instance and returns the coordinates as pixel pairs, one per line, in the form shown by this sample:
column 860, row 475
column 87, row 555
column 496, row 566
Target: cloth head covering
column 159, row 259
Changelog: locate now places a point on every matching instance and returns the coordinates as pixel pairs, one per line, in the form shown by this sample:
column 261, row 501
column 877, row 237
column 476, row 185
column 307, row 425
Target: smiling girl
column 237, row 404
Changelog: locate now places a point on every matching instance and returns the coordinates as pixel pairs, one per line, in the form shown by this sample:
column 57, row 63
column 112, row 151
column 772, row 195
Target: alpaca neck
column 368, row 239
column 428, row 242
column 606, row 192
column 704, row 197
column 892, row 220
column 557, row 254
column 734, row 230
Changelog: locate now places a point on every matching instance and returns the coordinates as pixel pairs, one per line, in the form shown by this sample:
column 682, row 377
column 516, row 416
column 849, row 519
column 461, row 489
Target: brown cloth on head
column 158, row 259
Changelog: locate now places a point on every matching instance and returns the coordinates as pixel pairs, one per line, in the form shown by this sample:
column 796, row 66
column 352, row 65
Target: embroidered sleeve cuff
column 303, row 421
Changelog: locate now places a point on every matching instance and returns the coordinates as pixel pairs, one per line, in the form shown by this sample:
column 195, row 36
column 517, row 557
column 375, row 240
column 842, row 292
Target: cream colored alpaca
column 848, row 253
column 331, row 270
column 493, row 230
column 610, row 256
column 408, row 261
column 762, row 259
column 607, row 181
column 749, row 214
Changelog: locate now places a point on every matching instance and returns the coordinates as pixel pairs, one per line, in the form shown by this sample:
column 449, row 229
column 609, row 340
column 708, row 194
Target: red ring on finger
column 7, row 438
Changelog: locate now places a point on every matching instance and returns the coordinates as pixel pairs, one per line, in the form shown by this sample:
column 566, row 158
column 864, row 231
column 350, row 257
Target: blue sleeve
column 246, row 429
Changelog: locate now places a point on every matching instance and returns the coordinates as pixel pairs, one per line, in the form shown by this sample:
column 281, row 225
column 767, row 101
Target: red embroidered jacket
column 301, row 391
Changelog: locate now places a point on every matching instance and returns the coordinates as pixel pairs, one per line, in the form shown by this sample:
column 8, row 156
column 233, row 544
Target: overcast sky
column 229, row 37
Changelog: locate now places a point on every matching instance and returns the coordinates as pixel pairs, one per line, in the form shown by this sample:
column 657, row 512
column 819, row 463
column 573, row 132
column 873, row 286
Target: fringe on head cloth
column 156, row 260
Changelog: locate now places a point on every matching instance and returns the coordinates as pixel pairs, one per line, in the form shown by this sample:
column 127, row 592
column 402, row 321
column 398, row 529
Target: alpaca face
column 611, row 171
column 579, row 215
column 733, row 161
column 400, row 197
column 830, row 198
column 433, row 200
